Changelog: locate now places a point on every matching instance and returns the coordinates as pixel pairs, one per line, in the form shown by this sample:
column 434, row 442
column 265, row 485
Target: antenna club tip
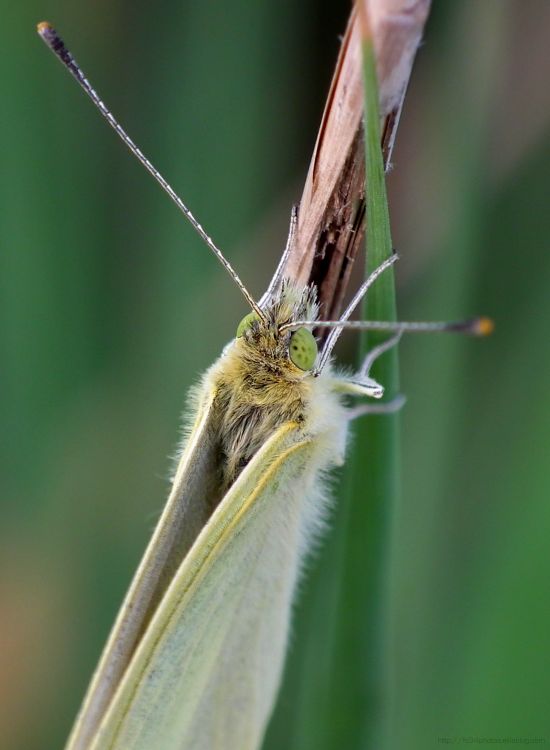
column 483, row 326
column 44, row 27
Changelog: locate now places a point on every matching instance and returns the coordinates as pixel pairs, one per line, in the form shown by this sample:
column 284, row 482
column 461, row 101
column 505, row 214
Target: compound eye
column 246, row 323
column 302, row 349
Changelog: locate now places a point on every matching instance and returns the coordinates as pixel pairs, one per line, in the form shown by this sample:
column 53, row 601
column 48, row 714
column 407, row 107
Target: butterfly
column 195, row 657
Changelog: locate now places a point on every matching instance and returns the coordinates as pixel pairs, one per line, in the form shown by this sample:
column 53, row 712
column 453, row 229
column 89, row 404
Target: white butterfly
column 195, row 657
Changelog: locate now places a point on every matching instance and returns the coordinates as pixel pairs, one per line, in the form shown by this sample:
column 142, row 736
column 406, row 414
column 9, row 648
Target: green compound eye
column 302, row 349
column 245, row 323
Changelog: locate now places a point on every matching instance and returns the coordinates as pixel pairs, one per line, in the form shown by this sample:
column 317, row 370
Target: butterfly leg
column 361, row 384
column 276, row 281
column 388, row 408
column 374, row 353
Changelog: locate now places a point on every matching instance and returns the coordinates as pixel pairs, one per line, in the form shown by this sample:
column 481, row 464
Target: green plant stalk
column 372, row 488
column 336, row 679
column 376, row 460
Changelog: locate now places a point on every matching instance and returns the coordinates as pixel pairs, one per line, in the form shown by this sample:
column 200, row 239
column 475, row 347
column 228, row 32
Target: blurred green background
column 111, row 307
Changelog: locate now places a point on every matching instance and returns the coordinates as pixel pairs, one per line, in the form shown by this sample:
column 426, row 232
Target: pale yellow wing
column 191, row 500
column 206, row 672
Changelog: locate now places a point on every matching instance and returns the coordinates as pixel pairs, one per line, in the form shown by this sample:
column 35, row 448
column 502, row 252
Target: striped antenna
column 481, row 326
column 57, row 46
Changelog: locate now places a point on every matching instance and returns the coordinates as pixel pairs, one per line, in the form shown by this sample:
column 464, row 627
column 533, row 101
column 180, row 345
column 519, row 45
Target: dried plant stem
column 332, row 207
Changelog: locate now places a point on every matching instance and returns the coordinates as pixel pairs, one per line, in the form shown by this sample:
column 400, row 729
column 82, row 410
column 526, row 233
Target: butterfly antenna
column 480, row 326
column 57, row 46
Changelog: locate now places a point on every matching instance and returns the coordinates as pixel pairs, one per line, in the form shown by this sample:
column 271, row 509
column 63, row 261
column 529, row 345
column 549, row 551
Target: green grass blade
column 331, row 674
column 380, row 301
column 373, row 482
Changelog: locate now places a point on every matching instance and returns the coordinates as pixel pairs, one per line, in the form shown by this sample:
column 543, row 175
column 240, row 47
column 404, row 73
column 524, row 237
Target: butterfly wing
column 191, row 500
column 206, row 671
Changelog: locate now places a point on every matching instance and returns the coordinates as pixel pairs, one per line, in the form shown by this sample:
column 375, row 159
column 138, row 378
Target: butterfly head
column 274, row 339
